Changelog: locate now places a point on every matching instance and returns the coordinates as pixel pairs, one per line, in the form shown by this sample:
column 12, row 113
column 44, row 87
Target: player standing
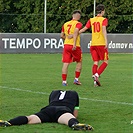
column 98, row 48
column 72, row 51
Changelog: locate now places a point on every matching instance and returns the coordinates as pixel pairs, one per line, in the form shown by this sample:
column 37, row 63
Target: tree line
column 22, row 16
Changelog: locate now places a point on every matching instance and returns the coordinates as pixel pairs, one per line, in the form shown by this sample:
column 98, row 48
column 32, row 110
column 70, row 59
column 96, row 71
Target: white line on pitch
column 18, row 89
column 107, row 101
column 95, row 100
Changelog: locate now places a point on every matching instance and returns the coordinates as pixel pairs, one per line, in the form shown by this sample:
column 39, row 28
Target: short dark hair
column 76, row 11
column 100, row 8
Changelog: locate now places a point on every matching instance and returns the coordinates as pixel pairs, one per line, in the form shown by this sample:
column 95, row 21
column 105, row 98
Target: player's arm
column 87, row 26
column 75, row 35
column 80, row 31
column 76, row 32
column 75, row 113
column 104, row 30
column 105, row 35
column 62, row 35
column 83, row 30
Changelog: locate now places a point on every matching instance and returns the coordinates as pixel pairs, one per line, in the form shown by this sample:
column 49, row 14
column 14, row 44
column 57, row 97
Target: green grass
column 27, row 79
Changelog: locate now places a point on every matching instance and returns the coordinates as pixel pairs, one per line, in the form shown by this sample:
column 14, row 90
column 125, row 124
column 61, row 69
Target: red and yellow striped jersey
column 68, row 28
column 96, row 24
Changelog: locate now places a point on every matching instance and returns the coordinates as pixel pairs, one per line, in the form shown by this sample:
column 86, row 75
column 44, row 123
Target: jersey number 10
column 96, row 26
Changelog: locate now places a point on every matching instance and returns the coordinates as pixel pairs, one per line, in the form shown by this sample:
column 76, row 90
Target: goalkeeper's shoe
column 76, row 82
column 83, row 127
column 96, row 81
column 4, row 123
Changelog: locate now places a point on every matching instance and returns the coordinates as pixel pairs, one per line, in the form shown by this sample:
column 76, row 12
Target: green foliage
column 28, row 16
column 22, row 16
column 120, row 15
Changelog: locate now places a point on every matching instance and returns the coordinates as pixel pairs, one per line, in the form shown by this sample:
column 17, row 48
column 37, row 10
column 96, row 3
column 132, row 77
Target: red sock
column 94, row 69
column 64, row 76
column 77, row 74
column 102, row 68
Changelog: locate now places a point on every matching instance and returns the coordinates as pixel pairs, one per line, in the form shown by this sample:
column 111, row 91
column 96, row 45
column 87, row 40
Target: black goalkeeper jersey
column 69, row 99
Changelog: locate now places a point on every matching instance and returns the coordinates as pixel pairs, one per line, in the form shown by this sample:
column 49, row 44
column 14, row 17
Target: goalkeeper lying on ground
column 63, row 108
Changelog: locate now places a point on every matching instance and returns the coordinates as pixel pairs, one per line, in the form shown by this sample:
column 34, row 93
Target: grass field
column 27, row 79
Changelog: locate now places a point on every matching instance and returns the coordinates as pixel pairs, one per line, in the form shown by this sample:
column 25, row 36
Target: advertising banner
column 52, row 43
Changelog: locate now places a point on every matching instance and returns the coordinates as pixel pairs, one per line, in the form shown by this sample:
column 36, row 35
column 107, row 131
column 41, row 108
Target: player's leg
column 64, row 73
column 66, row 59
column 20, row 120
column 102, row 67
column 4, row 123
column 94, row 67
column 64, row 119
column 77, row 73
column 104, row 57
column 95, row 75
column 77, row 56
column 33, row 119
column 95, row 59
column 72, row 122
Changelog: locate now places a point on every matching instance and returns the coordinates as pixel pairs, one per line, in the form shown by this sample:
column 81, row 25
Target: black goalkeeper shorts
column 52, row 113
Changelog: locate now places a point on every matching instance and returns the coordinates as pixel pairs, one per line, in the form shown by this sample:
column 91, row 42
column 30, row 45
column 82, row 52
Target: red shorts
column 99, row 53
column 70, row 55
